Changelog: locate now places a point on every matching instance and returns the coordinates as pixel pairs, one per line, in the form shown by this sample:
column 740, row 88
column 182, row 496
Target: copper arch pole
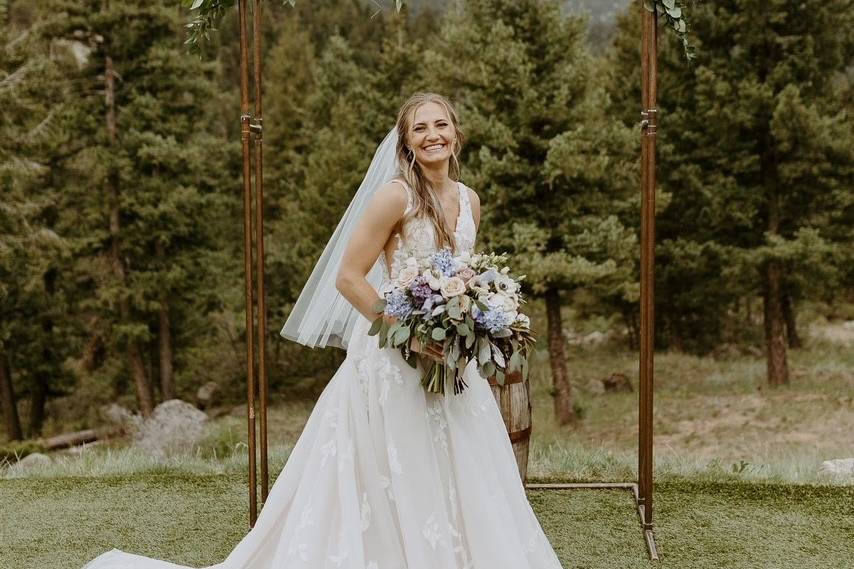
column 250, row 129
column 643, row 490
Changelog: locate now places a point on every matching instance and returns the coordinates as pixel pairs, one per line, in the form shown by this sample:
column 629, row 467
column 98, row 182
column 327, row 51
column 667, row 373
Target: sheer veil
column 322, row 316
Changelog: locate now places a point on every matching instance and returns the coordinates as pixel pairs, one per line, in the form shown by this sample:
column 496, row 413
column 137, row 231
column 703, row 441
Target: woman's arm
column 366, row 244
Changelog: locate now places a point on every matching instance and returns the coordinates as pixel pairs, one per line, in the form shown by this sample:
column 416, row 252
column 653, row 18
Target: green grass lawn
column 196, row 520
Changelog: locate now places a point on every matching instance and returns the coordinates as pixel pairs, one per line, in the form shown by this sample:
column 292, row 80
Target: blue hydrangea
column 398, row 304
column 443, row 261
column 493, row 319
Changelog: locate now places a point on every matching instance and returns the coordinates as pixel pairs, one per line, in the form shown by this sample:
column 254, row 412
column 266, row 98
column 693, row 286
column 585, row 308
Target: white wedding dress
column 388, row 476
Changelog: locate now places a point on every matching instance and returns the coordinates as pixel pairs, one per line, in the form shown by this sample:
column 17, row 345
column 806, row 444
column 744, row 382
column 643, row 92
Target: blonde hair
column 426, row 202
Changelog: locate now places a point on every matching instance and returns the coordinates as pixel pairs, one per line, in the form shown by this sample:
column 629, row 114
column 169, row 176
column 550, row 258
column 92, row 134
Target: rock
column 120, row 416
column 593, row 339
column 174, row 427
column 838, row 467
column 207, row 395
column 32, row 461
column 617, row 382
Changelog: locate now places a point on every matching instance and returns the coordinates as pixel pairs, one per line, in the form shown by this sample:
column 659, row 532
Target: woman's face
column 431, row 134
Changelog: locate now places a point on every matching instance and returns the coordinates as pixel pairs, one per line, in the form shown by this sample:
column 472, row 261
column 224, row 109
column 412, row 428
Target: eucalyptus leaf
column 499, row 376
column 379, row 305
column 454, row 302
column 401, row 336
column 484, row 354
column 470, row 341
column 453, row 350
column 488, row 369
column 393, row 328
column 515, row 361
column 438, row 334
column 498, row 356
column 375, row 327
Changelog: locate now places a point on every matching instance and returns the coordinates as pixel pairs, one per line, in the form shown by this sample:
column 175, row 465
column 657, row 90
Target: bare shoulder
column 391, row 197
column 474, row 198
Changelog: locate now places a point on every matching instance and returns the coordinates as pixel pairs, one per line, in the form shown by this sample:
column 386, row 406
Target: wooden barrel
column 514, row 401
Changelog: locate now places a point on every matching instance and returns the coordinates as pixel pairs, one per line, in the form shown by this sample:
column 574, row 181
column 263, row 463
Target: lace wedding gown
column 388, row 476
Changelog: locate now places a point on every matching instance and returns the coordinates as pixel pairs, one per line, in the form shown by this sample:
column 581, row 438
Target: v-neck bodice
column 417, row 237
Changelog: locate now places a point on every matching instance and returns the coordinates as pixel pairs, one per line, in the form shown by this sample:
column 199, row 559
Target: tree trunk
column 557, row 357
column 41, row 386
column 772, row 277
column 38, row 400
column 791, row 323
column 144, row 391
column 167, row 375
column 167, row 370
column 775, row 331
column 7, row 401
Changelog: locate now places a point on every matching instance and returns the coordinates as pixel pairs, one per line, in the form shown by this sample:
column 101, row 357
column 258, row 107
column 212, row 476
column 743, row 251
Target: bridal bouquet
column 469, row 304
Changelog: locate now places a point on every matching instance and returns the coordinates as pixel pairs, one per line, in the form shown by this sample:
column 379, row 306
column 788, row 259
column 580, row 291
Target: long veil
column 322, row 316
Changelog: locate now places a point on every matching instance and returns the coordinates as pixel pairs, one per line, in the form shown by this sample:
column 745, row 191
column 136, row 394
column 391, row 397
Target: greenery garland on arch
column 672, row 12
column 210, row 12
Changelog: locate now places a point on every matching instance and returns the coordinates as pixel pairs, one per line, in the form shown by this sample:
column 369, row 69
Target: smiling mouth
column 434, row 147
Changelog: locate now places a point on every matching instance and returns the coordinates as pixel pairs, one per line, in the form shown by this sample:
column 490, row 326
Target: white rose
column 523, row 320
column 454, row 286
column 406, row 275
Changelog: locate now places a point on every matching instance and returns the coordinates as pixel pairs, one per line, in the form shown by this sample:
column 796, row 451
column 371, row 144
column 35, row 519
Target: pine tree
column 34, row 137
column 554, row 170
column 153, row 153
column 757, row 154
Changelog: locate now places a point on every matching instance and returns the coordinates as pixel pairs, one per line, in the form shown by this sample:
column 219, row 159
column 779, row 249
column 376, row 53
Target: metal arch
column 251, row 128
column 251, row 131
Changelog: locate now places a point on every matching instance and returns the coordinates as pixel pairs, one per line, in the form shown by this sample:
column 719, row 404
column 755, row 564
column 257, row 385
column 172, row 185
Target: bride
column 386, row 475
